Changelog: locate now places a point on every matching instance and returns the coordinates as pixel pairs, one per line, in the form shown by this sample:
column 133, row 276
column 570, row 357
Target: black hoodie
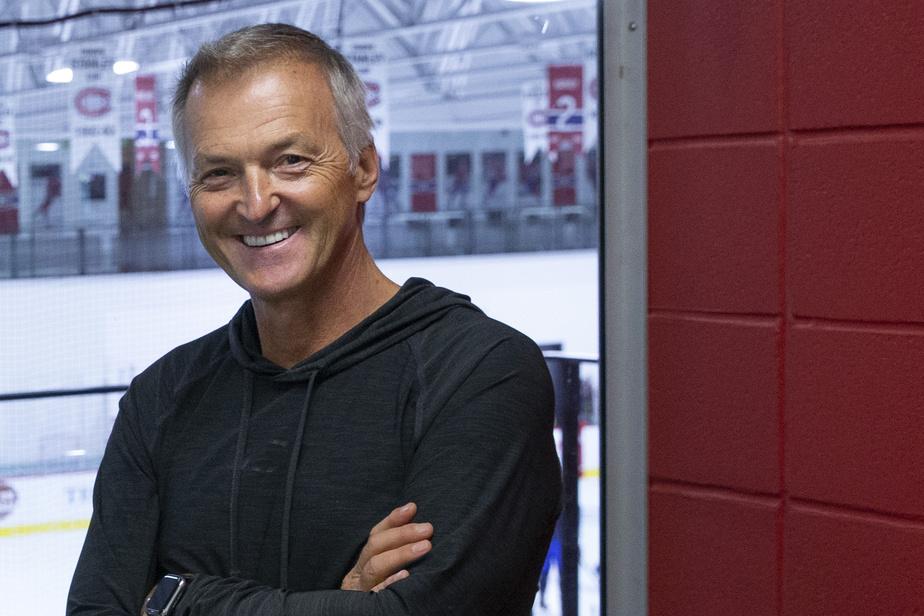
column 264, row 482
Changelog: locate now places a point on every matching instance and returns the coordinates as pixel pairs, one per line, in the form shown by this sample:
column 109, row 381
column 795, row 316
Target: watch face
column 164, row 593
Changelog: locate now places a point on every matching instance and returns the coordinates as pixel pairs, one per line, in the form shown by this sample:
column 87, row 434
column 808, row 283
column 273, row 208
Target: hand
column 393, row 543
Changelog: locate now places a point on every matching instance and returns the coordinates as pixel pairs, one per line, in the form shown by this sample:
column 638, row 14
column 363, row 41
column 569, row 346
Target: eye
column 213, row 178
column 213, row 174
column 293, row 162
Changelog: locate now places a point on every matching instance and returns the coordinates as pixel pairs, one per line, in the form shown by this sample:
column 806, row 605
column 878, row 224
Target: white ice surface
column 93, row 330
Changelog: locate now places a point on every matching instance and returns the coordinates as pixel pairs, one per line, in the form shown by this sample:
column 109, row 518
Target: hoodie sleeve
column 485, row 473
column 117, row 561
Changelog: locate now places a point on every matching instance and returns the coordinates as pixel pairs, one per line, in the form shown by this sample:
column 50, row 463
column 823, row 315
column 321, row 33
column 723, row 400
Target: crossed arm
column 393, row 543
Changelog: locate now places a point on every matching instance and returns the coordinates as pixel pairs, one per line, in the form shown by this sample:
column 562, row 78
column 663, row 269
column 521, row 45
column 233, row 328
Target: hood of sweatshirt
column 417, row 304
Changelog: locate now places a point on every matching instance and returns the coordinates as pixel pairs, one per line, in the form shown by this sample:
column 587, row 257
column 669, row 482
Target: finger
column 387, row 552
column 398, row 517
column 352, row 580
column 392, row 538
column 391, row 580
column 382, row 566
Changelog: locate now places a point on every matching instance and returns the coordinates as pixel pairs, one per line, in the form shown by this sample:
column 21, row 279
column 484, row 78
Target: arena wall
column 786, row 254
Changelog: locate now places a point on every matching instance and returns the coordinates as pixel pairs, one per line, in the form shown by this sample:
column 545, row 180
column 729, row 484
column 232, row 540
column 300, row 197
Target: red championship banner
column 423, row 182
column 9, row 211
column 147, row 144
column 566, row 105
column 9, row 206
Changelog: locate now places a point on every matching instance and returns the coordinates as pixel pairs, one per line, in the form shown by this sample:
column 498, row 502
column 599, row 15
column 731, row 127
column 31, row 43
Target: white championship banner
column 93, row 115
column 371, row 66
column 535, row 102
column 591, row 99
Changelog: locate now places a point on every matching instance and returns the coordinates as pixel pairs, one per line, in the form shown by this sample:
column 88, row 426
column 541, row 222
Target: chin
column 270, row 290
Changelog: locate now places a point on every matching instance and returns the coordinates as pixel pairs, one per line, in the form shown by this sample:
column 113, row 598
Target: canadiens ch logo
column 7, row 499
column 93, row 102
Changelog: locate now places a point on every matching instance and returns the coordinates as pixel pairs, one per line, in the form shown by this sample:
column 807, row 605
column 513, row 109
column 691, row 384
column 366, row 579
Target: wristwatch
column 162, row 599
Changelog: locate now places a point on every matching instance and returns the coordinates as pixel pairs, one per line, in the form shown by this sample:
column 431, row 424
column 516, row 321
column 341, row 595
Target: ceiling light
column 123, row 67
column 75, row 453
column 48, row 146
column 60, row 75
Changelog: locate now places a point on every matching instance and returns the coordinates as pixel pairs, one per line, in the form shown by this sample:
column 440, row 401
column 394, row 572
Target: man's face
column 271, row 192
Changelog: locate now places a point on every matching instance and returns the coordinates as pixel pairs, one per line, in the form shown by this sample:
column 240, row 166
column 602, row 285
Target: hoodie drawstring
column 290, row 485
column 243, row 428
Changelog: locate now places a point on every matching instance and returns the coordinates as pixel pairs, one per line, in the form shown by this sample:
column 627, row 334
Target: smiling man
column 264, row 468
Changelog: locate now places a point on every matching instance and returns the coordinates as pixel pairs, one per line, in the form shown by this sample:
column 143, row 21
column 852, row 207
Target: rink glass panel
column 456, row 73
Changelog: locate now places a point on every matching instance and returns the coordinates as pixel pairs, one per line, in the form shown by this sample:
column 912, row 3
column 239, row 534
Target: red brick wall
column 786, row 295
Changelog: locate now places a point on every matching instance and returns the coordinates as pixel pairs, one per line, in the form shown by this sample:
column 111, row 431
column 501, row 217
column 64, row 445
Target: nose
column 258, row 200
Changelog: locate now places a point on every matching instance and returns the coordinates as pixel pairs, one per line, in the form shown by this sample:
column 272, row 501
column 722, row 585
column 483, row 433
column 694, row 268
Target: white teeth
column 266, row 240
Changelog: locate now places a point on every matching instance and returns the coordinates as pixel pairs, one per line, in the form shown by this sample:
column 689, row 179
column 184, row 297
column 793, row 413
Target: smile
column 266, row 240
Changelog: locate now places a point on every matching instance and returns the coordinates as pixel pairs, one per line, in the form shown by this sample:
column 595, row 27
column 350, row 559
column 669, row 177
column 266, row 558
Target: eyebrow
column 203, row 160
column 288, row 141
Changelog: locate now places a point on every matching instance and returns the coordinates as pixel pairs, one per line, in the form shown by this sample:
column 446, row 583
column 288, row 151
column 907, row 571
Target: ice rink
column 91, row 331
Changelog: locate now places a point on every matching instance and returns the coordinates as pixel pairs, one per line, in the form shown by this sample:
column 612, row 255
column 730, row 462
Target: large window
column 486, row 126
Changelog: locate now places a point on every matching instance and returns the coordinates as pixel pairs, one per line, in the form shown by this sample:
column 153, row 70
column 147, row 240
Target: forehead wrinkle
column 304, row 116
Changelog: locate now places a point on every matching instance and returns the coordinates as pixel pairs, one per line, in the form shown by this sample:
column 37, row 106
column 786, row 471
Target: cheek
column 205, row 211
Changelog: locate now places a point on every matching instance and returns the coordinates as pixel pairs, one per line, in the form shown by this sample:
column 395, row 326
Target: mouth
column 257, row 241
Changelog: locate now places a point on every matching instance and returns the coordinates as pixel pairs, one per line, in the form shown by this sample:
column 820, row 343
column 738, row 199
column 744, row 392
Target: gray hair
column 233, row 53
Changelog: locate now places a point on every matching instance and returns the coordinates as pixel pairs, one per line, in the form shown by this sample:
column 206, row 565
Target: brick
column 713, row 402
column 712, row 67
column 714, row 227
column 851, row 565
column 854, row 417
column 858, row 65
column 708, row 555
column 857, row 228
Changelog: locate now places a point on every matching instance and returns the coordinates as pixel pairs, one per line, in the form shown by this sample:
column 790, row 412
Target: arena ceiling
column 451, row 62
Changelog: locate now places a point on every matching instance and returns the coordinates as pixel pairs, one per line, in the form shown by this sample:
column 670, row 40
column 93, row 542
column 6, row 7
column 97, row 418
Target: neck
column 294, row 328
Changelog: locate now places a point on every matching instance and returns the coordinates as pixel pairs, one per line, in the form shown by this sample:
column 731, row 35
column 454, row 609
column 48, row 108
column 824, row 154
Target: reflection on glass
column 458, row 180
column 423, row 182
column 496, row 193
column 529, row 181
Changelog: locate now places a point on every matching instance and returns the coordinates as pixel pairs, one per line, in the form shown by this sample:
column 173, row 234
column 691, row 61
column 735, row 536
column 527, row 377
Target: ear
column 367, row 173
